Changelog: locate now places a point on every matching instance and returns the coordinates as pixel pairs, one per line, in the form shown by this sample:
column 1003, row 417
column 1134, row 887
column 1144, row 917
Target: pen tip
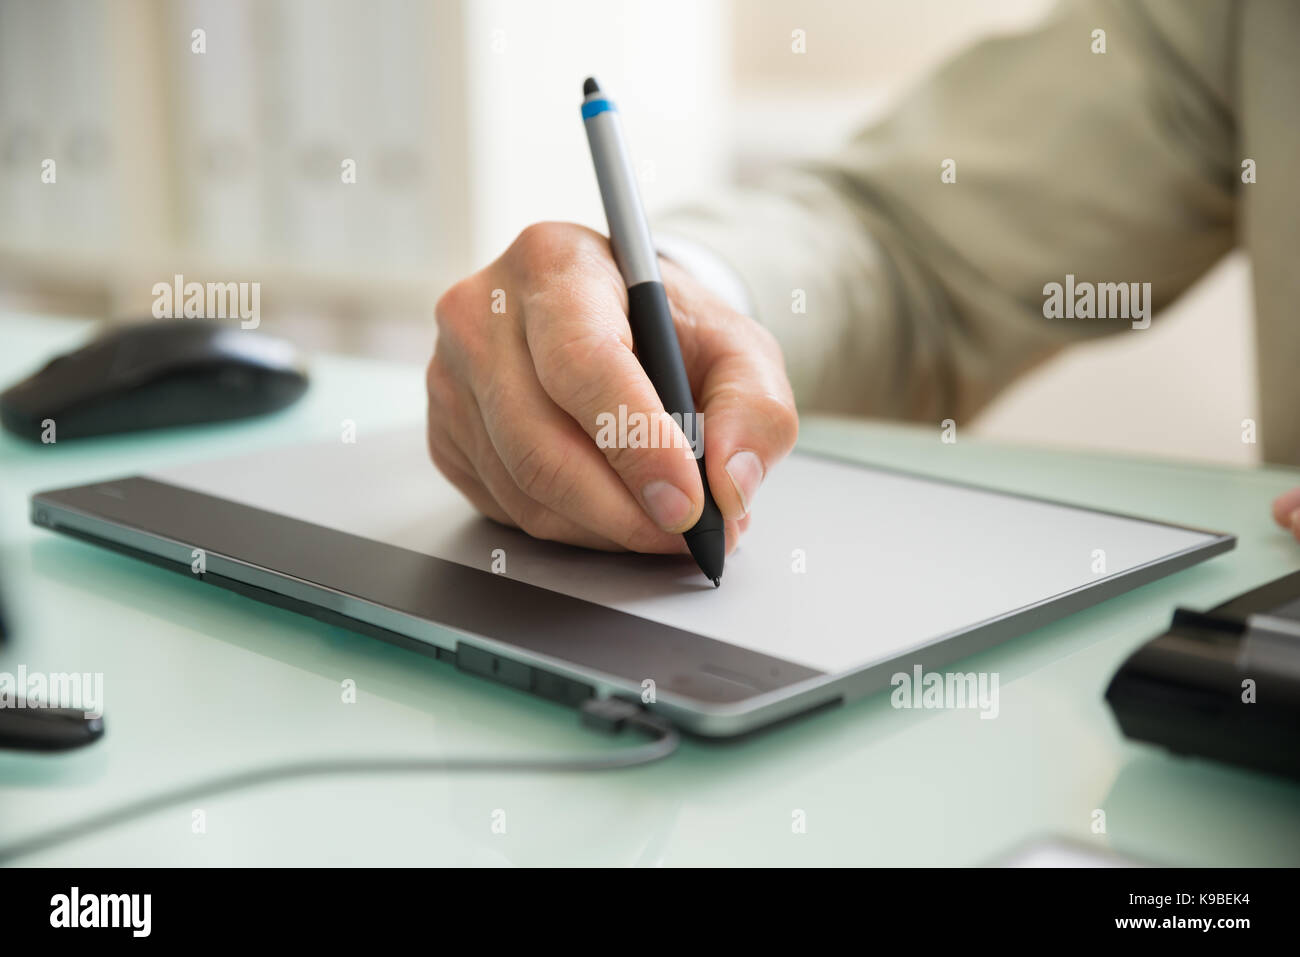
column 717, row 583
column 590, row 86
column 709, row 549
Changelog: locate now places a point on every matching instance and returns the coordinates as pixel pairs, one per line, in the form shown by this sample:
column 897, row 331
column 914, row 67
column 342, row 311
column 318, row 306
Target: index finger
column 583, row 353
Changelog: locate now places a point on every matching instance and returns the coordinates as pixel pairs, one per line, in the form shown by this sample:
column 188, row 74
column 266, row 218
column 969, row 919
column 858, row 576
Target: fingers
column 749, row 424
column 748, row 415
column 581, row 349
column 596, row 379
column 448, row 458
column 1286, row 511
column 530, row 442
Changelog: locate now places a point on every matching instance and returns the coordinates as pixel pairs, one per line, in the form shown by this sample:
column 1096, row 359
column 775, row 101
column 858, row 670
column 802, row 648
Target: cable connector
column 613, row 715
column 610, row 715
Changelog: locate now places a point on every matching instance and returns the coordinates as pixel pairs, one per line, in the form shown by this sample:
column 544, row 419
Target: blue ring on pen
column 592, row 107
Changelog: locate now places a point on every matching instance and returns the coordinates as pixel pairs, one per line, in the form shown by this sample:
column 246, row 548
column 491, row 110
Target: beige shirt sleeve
column 921, row 298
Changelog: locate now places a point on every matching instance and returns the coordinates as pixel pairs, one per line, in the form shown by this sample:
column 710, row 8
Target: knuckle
column 540, row 473
column 456, row 303
column 437, row 383
column 591, row 351
column 604, row 378
column 543, row 248
column 623, row 459
column 779, row 412
column 588, row 352
column 462, row 315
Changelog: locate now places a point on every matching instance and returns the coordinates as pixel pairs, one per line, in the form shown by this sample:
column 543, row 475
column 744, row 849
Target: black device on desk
column 1222, row 684
column 155, row 374
column 32, row 728
column 40, row 727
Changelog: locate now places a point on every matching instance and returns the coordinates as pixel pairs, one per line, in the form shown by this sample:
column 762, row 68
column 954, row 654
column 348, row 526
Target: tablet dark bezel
column 462, row 599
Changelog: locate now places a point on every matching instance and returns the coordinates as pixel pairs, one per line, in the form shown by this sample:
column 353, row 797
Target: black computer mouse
column 154, row 374
column 47, row 729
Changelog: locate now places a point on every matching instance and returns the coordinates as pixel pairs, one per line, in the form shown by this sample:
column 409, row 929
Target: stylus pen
column 653, row 332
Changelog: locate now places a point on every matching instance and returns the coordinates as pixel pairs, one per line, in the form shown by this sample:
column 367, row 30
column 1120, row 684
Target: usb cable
column 610, row 715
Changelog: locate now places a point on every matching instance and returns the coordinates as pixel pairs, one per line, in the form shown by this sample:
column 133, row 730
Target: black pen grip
column 655, row 337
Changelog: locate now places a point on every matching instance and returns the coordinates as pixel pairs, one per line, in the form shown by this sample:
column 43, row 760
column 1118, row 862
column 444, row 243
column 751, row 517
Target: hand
column 518, row 398
column 1285, row 509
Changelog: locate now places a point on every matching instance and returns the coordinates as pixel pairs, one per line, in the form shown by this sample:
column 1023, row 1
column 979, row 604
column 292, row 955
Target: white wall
column 664, row 62
column 462, row 118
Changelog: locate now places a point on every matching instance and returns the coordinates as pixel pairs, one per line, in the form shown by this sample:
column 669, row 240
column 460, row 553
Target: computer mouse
column 154, row 374
column 47, row 729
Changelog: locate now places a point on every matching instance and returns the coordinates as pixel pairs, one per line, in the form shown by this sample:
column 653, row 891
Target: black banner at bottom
column 932, row 906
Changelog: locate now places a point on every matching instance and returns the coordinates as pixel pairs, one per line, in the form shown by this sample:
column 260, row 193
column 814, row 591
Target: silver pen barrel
column 629, row 233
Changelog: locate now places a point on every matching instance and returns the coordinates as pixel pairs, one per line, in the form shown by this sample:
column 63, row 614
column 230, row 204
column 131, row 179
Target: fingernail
column 669, row 506
column 746, row 471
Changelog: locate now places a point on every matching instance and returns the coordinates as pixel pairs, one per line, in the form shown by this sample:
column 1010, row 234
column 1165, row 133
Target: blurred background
column 461, row 117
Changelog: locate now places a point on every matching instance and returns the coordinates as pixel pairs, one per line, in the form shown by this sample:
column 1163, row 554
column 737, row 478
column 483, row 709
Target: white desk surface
column 200, row 682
